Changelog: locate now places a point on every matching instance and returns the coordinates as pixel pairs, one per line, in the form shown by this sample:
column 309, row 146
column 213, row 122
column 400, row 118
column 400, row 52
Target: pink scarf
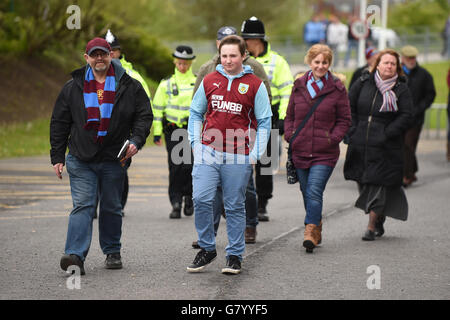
column 389, row 97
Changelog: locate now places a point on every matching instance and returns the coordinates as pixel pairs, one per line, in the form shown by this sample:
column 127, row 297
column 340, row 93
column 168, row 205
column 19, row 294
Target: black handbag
column 291, row 172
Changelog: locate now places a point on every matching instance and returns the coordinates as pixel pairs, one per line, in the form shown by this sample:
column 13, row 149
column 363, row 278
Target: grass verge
column 25, row 139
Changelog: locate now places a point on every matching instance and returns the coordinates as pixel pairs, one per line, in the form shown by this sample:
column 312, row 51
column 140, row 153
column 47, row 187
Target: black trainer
column 202, row 259
column 72, row 260
column 113, row 261
column 233, row 265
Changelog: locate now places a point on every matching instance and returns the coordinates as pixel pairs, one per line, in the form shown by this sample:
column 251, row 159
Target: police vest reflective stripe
column 271, row 69
column 280, row 77
column 172, row 100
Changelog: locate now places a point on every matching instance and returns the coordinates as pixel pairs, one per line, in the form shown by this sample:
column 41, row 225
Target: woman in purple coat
column 315, row 150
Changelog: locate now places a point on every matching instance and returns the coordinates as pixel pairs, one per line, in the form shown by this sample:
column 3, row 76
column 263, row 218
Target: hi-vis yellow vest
column 172, row 100
column 280, row 78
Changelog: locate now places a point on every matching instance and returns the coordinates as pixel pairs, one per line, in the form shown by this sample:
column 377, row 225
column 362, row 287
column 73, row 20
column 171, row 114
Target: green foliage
column 145, row 50
column 38, row 28
column 413, row 16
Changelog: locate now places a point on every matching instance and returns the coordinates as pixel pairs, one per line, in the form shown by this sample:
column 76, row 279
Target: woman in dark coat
column 315, row 150
column 381, row 107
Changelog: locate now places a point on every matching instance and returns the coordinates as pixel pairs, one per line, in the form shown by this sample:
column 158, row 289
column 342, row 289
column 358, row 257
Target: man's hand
column 157, row 140
column 58, row 169
column 131, row 151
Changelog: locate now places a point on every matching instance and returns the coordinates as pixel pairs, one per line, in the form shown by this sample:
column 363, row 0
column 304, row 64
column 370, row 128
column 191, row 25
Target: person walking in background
column 448, row 116
column 315, row 151
column 171, row 109
column 371, row 57
column 314, row 31
column 234, row 103
column 421, row 86
column 281, row 80
column 381, row 106
column 116, row 53
column 352, row 43
column 336, row 37
column 96, row 111
column 251, row 204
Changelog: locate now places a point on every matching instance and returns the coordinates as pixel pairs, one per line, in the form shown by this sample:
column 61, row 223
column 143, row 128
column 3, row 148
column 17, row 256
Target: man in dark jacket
column 99, row 109
column 420, row 83
column 371, row 57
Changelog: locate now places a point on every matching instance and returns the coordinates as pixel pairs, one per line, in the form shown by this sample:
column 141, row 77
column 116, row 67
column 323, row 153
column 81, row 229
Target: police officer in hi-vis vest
column 281, row 82
column 171, row 110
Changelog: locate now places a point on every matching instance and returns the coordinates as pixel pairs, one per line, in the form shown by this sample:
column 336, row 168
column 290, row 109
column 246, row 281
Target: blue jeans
column 312, row 185
column 233, row 178
column 251, row 205
column 86, row 179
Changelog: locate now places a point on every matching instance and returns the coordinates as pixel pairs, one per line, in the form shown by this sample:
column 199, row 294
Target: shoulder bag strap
column 300, row 127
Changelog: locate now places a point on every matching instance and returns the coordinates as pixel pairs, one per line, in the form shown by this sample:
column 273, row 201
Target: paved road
column 410, row 262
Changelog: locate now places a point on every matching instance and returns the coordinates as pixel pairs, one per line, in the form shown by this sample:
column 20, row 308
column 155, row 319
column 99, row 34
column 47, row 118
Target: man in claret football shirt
column 233, row 136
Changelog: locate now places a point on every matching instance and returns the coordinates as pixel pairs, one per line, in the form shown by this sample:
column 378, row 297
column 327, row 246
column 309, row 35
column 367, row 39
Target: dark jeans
column 410, row 166
column 312, row 185
column 264, row 182
column 180, row 175
column 86, row 179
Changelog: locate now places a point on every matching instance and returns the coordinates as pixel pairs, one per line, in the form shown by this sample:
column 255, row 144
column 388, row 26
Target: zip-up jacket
column 374, row 154
column 131, row 118
column 318, row 142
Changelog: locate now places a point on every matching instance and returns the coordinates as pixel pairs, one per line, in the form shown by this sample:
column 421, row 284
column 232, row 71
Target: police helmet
column 253, row 28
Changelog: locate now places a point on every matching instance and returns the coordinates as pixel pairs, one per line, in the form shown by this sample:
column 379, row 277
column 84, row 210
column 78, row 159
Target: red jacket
column 318, row 142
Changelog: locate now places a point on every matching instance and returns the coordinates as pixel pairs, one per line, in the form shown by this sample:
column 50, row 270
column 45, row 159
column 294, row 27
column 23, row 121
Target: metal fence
column 436, row 125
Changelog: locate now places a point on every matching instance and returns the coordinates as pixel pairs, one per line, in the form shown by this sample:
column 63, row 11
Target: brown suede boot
column 319, row 228
column 312, row 236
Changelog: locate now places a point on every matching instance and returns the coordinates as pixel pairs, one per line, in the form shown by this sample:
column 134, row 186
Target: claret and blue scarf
column 314, row 86
column 99, row 115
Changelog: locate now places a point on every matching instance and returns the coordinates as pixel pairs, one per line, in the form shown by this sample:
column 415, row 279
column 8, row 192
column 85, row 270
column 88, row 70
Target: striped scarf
column 389, row 97
column 314, row 86
column 98, row 116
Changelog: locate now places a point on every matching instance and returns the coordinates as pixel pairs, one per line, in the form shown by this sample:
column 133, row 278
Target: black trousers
column 410, row 166
column 264, row 182
column 180, row 175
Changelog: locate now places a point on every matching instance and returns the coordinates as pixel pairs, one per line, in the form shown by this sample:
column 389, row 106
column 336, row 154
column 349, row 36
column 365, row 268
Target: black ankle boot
column 379, row 228
column 176, row 211
column 188, row 206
